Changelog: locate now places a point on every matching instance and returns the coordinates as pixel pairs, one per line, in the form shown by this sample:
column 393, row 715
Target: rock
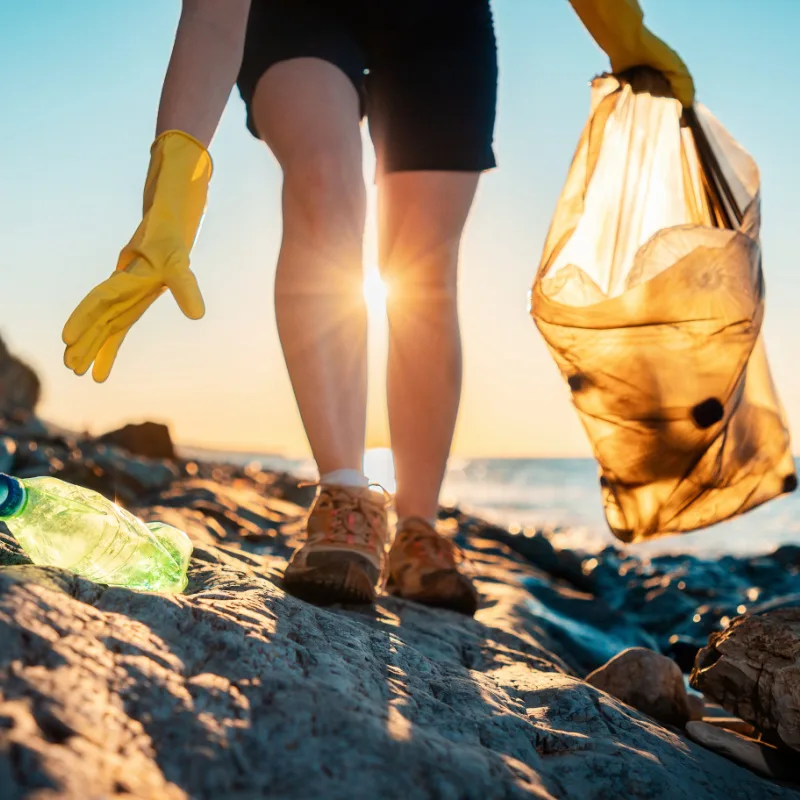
column 23, row 425
column 135, row 475
column 783, row 601
column 589, row 632
column 113, row 472
column 647, row 681
column 236, row 689
column 683, row 652
column 8, row 449
column 760, row 757
column 697, row 706
column 31, row 453
column 681, row 600
column 752, row 669
column 715, row 714
column 788, row 556
column 19, row 385
column 149, row 439
column 11, row 554
column 288, row 487
column 732, row 724
column 539, row 551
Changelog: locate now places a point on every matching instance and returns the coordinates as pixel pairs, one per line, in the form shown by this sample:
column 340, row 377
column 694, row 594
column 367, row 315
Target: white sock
column 346, row 477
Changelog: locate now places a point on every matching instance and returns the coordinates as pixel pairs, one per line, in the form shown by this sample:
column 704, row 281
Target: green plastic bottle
column 62, row 525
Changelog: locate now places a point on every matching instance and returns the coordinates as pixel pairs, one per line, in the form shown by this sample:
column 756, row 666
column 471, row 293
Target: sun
column 375, row 292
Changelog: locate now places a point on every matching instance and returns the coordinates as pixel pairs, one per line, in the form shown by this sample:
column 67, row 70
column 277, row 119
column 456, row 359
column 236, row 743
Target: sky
column 78, row 98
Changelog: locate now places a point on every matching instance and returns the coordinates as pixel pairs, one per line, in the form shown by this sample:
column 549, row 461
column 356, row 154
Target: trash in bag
column 650, row 296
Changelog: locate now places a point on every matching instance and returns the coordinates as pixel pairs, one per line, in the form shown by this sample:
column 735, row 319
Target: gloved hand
column 618, row 27
column 155, row 259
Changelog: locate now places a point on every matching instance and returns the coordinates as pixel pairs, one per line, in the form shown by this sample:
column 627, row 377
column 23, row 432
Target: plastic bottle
column 62, row 525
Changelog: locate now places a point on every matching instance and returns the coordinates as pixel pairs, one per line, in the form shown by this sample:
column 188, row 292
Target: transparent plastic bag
column 650, row 296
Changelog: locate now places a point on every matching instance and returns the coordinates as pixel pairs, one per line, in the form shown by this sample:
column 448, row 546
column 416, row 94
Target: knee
column 429, row 277
column 324, row 193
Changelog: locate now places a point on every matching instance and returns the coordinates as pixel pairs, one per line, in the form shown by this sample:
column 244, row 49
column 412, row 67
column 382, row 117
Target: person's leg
column 431, row 102
column 307, row 111
column 421, row 217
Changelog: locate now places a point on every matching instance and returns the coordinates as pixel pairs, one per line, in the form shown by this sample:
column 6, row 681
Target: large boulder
column 752, row 669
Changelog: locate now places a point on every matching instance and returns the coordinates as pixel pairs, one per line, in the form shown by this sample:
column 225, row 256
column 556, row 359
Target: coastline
column 237, row 688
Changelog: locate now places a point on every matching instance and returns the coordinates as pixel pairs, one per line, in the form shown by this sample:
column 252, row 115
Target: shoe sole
column 329, row 584
column 443, row 589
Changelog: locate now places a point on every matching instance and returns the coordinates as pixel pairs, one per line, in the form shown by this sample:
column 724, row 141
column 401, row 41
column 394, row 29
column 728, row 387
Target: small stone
column 732, row 724
column 697, row 706
column 759, row 757
column 648, row 681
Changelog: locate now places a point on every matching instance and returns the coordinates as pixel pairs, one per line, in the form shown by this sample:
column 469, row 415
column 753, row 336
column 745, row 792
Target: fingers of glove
column 121, row 289
column 107, row 354
column 183, row 285
column 84, row 315
column 80, row 355
column 74, row 354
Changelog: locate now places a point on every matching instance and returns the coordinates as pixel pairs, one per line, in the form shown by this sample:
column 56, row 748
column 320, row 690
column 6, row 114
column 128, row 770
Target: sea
column 562, row 496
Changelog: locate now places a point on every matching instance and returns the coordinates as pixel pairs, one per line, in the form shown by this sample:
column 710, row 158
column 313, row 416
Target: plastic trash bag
column 650, row 296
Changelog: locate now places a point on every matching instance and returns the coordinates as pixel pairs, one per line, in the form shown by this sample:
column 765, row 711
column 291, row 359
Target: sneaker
column 344, row 554
column 423, row 567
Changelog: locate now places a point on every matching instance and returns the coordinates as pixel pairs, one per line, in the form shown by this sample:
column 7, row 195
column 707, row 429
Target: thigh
column 432, row 85
column 283, row 31
column 421, row 216
column 306, row 110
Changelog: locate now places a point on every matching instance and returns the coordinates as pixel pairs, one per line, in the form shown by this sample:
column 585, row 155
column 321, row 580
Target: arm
column 618, row 27
column 205, row 61
column 203, row 67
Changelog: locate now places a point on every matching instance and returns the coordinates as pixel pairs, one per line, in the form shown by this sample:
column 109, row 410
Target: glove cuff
column 174, row 197
column 175, row 193
column 175, row 139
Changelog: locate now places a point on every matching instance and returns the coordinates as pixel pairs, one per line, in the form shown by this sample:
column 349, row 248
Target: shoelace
column 345, row 508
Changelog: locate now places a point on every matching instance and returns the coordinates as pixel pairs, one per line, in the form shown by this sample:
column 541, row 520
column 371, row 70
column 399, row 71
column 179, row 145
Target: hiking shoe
column 423, row 567
column 344, row 554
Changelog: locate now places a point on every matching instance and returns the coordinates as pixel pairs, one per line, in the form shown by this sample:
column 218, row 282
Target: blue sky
column 78, row 100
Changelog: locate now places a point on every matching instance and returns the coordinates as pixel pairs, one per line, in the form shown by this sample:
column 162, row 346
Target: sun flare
column 375, row 292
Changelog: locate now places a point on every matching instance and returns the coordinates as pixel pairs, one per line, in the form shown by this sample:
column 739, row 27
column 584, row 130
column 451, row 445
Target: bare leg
column 307, row 111
column 422, row 215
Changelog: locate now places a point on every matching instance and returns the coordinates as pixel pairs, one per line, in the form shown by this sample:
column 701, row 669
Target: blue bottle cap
column 12, row 496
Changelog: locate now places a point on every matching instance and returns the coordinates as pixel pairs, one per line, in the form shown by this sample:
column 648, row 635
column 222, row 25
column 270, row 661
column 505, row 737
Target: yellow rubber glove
column 155, row 259
column 618, row 27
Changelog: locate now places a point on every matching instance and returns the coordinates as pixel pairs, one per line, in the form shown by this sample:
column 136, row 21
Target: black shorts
column 426, row 71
